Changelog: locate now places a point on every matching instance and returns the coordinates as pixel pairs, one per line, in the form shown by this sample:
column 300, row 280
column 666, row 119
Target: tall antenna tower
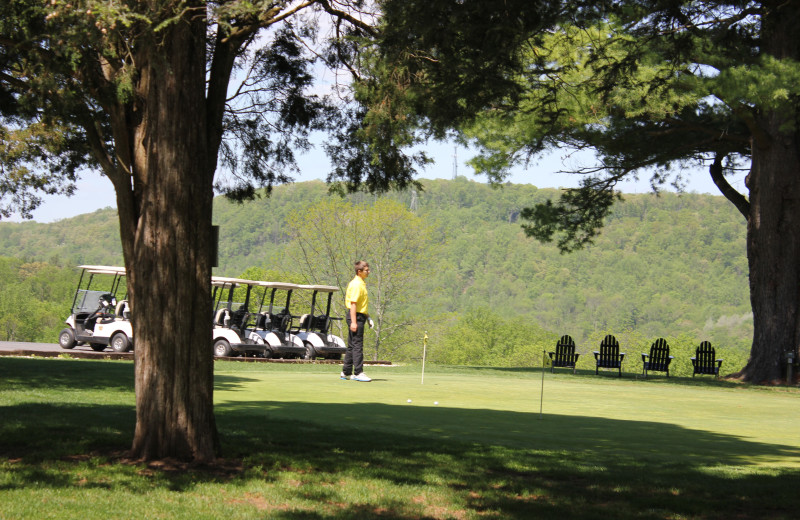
column 455, row 161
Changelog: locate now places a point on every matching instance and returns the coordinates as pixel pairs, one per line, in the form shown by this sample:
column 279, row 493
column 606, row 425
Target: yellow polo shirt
column 357, row 292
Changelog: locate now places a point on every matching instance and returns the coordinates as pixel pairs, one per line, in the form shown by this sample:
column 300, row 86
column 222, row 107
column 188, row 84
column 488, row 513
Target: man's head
column 362, row 268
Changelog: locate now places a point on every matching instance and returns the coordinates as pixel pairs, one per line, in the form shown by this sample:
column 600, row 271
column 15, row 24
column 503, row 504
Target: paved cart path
column 21, row 348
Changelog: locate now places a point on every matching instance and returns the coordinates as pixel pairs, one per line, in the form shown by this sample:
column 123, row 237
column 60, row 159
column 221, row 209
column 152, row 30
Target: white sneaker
column 361, row 377
column 342, row 376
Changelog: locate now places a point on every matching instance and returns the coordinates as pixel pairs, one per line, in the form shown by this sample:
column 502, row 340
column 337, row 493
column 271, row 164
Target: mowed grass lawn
column 300, row 443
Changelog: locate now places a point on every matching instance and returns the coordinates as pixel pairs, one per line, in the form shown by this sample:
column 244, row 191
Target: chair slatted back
column 565, row 352
column 705, row 359
column 609, row 353
column 659, row 355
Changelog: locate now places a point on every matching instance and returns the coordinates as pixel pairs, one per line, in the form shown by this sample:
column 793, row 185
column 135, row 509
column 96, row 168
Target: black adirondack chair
column 658, row 359
column 609, row 355
column 705, row 361
column 564, row 356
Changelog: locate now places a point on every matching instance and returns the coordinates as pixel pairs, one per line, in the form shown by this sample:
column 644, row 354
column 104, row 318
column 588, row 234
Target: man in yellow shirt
column 357, row 302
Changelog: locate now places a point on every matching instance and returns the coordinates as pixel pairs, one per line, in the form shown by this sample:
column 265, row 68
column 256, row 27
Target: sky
column 96, row 192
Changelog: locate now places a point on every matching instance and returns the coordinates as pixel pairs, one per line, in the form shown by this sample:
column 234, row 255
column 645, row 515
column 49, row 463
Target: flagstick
column 424, row 353
column 541, row 399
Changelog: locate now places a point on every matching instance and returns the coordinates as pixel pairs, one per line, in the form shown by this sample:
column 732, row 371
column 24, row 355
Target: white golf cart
column 314, row 329
column 96, row 317
column 238, row 331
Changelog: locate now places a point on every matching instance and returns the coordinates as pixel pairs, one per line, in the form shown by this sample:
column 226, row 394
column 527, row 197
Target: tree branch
column 11, row 80
column 266, row 19
column 326, row 6
column 736, row 198
column 93, row 136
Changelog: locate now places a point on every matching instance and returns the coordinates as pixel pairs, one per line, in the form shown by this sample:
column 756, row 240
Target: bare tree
column 398, row 245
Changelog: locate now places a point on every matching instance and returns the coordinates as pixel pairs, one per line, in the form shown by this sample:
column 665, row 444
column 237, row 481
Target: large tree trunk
column 166, row 227
column 773, row 230
column 773, row 240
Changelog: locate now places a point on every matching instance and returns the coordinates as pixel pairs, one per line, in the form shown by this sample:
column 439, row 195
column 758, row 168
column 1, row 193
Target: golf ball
column 409, row 400
column 436, row 402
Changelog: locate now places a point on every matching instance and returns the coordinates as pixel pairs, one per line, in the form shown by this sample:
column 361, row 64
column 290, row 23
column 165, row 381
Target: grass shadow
column 570, row 467
column 592, row 436
column 41, row 431
column 403, row 460
column 602, row 469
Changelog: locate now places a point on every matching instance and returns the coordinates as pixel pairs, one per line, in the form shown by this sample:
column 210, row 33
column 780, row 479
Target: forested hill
column 664, row 265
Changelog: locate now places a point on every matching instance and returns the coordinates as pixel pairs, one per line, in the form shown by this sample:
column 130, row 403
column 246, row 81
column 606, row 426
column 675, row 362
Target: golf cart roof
column 320, row 288
column 103, row 269
column 224, row 280
column 280, row 285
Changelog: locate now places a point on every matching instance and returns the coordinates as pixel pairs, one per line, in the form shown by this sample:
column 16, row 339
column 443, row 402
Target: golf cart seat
column 103, row 312
column 239, row 318
column 321, row 324
column 123, row 310
column 658, row 360
column 305, row 322
column 564, row 356
column 282, row 321
column 705, row 360
column 262, row 321
column 609, row 355
column 223, row 317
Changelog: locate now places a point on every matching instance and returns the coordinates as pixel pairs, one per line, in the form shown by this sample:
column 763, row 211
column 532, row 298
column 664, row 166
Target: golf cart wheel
column 310, row 353
column 120, row 342
column 66, row 338
column 97, row 347
column 222, row 348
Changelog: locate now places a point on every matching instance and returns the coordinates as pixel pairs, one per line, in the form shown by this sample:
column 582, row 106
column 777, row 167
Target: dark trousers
column 354, row 356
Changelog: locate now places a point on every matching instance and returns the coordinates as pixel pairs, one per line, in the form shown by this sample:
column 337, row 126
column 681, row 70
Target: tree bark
column 773, row 228
column 773, row 236
column 167, row 244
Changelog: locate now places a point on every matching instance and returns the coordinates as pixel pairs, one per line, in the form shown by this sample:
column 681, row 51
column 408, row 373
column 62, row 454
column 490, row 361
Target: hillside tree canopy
column 646, row 85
